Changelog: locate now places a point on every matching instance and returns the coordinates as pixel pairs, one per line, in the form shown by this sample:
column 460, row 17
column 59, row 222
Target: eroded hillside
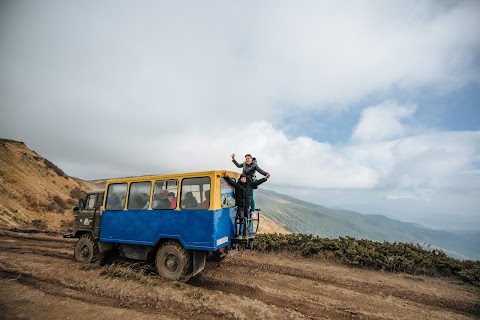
column 34, row 191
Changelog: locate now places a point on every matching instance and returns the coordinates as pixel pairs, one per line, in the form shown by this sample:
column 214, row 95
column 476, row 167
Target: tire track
column 56, row 289
column 28, row 248
column 371, row 289
column 309, row 308
column 109, row 292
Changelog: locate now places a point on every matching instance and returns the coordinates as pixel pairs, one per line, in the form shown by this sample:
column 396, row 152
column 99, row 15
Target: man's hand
column 267, row 176
column 224, row 172
column 233, row 156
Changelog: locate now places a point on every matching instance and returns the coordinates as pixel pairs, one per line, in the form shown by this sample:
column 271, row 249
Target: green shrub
column 392, row 257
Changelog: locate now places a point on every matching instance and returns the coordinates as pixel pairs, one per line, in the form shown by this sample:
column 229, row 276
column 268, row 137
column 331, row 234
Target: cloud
column 425, row 161
column 261, row 58
column 397, row 197
column 160, row 87
column 382, row 122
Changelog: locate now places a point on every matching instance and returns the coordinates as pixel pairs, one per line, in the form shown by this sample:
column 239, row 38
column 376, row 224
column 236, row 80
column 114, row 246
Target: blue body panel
column 207, row 230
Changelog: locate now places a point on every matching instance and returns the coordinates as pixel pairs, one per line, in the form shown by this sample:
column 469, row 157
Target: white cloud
column 221, row 58
column 382, row 122
column 397, row 197
column 166, row 87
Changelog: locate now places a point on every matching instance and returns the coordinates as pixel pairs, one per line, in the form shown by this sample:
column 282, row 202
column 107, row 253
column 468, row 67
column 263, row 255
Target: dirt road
column 40, row 280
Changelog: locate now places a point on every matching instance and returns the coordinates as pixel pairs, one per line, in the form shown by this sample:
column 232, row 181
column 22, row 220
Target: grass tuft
column 195, row 294
column 128, row 272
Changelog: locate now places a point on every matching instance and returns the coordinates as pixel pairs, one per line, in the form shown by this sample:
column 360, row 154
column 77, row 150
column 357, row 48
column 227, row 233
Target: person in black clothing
column 190, row 202
column 161, row 202
column 249, row 167
column 243, row 196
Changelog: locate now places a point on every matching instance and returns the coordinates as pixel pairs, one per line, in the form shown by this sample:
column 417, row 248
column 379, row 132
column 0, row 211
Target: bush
column 39, row 224
column 52, row 166
column 392, row 257
column 77, row 194
column 60, row 202
column 51, row 207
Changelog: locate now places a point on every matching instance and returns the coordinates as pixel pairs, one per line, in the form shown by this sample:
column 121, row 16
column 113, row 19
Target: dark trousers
column 243, row 213
column 253, row 201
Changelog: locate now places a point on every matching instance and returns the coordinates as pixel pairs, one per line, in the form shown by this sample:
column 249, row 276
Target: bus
column 175, row 220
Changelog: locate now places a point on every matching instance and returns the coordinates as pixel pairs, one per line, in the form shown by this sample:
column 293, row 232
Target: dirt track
column 40, row 280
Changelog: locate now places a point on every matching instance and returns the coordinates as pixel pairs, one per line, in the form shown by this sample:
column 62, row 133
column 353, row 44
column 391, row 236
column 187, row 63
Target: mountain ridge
column 299, row 216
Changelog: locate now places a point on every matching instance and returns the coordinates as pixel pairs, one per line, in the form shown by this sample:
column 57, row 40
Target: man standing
column 249, row 167
column 243, row 196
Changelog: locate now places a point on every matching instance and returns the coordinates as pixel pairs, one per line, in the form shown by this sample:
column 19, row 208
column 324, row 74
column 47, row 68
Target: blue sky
column 371, row 106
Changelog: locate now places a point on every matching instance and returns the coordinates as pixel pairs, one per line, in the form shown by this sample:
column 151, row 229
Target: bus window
column 227, row 193
column 194, row 193
column 165, row 194
column 116, row 196
column 139, row 195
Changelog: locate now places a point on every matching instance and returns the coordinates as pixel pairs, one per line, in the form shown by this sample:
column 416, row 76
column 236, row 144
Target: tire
column 173, row 262
column 86, row 249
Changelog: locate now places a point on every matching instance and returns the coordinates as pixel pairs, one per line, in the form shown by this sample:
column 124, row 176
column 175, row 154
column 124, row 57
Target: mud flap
column 105, row 246
column 199, row 258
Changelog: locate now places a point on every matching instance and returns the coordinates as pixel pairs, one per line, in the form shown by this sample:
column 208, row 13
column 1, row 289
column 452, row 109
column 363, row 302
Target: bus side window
column 165, row 194
column 194, row 193
column 116, row 195
column 139, row 195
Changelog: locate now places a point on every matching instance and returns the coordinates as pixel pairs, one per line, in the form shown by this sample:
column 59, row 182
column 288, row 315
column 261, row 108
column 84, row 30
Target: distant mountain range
column 303, row 217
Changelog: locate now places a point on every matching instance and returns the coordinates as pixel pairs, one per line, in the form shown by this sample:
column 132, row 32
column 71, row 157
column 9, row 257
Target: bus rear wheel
column 86, row 249
column 173, row 262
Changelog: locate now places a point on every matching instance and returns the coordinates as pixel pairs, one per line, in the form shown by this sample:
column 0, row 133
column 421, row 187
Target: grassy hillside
column 34, row 191
column 303, row 217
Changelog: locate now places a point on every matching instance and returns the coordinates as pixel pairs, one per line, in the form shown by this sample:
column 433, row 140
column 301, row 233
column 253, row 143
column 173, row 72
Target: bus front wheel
column 173, row 262
column 86, row 249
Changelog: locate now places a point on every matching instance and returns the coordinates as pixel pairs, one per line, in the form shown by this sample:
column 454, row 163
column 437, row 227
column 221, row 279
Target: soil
column 39, row 279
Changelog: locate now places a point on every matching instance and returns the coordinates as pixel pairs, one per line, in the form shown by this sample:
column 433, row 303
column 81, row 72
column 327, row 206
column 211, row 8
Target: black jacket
column 243, row 191
column 249, row 169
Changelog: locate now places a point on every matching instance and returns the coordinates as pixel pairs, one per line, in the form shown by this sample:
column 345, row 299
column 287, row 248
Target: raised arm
column 239, row 165
column 229, row 180
column 255, row 183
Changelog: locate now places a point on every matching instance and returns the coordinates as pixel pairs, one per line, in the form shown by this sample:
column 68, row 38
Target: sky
column 371, row 106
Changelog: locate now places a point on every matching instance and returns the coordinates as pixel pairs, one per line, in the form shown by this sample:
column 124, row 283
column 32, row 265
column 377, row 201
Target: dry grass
column 33, row 188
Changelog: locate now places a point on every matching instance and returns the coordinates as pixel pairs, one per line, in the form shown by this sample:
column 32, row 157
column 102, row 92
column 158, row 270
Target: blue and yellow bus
column 177, row 220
